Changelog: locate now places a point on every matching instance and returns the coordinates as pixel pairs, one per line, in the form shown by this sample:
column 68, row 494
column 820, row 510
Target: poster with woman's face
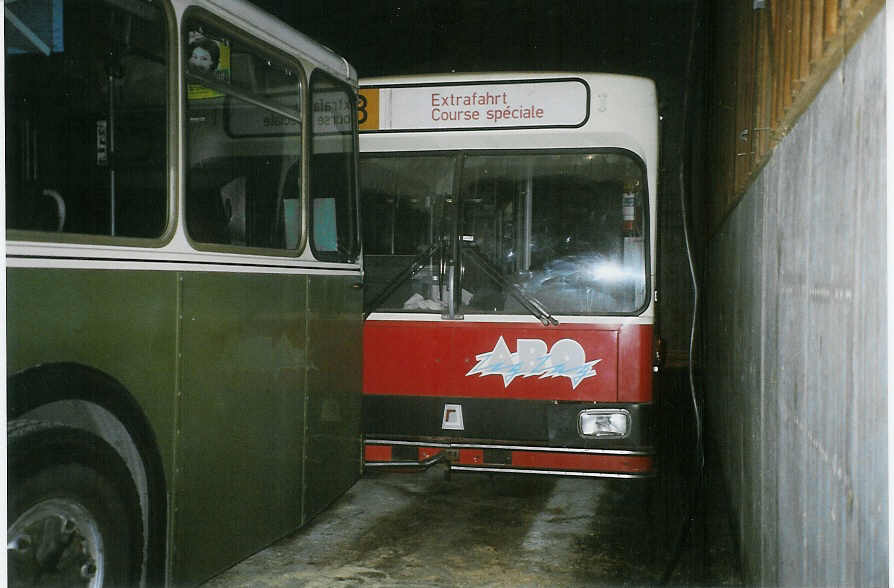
column 206, row 57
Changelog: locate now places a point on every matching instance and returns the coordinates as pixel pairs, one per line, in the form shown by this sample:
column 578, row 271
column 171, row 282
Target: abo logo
column 566, row 359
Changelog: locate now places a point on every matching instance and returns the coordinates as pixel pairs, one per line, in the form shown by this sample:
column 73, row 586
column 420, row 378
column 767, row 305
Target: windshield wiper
column 534, row 306
column 407, row 274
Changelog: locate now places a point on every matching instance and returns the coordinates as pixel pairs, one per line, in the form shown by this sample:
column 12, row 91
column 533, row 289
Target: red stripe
column 471, row 456
column 582, row 462
column 377, row 453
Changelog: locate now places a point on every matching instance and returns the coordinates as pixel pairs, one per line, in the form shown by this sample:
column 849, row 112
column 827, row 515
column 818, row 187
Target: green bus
column 182, row 286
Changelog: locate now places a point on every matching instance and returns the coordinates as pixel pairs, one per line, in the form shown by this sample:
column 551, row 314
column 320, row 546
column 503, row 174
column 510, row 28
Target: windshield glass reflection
column 541, row 234
column 568, row 228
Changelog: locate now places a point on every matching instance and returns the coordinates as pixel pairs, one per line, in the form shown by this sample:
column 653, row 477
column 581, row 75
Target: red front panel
column 573, row 362
column 635, row 354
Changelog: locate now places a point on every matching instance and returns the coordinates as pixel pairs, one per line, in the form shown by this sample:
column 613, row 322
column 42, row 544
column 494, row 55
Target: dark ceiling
column 427, row 36
column 389, row 37
column 640, row 37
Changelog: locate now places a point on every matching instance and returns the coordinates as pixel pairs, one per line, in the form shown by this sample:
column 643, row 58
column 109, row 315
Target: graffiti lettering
column 566, row 359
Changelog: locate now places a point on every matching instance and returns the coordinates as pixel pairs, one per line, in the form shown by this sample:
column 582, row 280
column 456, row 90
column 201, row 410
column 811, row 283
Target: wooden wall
column 768, row 59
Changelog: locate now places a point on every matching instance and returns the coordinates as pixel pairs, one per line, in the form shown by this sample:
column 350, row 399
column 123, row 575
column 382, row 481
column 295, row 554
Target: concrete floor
column 421, row 529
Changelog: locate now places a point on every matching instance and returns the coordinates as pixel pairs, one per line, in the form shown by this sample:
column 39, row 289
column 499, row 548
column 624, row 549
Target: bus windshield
column 564, row 229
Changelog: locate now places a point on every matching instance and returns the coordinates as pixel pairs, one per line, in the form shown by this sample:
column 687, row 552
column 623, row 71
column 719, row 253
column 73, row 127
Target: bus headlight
column 603, row 423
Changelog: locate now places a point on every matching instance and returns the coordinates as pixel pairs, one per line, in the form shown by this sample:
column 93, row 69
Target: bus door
column 334, row 319
column 243, row 333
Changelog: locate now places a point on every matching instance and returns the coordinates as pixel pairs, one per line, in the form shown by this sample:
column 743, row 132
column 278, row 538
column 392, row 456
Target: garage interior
column 774, row 141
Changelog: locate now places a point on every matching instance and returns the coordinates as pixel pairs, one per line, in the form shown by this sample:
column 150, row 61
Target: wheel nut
column 88, row 570
column 20, row 543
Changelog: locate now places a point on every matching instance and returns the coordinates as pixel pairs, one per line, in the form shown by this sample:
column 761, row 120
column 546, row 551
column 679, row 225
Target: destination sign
column 498, row 105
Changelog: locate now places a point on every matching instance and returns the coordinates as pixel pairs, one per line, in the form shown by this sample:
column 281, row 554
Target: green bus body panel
column 250, row 382
column 335, row 335
column 122, row 323
column 240, row 438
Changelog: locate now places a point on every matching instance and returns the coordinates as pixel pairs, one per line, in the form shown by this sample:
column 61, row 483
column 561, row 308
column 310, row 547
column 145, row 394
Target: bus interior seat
column 206, row 220
column 38, row 210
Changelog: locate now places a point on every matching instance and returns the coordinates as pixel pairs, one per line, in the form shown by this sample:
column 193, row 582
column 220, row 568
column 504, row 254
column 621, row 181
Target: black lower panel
column 498, row 420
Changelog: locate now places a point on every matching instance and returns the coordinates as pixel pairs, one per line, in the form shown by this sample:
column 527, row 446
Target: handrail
column 229, row 90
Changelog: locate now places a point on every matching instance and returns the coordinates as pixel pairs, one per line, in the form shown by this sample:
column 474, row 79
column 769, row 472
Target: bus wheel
column 73, row 513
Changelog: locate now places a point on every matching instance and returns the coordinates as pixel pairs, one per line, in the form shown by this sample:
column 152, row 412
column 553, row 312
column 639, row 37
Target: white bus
column 183, row 305
column 509, row 245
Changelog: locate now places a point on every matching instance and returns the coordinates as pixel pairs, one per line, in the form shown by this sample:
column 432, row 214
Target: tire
column 73, row 511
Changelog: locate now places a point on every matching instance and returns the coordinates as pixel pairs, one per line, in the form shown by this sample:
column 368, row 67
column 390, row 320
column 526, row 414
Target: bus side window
column 244, row 143
column 334, row 231
column 140, row 138
column 95, row 139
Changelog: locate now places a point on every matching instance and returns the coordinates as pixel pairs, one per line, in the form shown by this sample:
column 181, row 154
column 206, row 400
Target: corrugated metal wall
column 796, row 397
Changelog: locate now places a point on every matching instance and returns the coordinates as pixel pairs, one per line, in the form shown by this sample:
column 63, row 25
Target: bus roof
column 286, row 38
column 440, row 78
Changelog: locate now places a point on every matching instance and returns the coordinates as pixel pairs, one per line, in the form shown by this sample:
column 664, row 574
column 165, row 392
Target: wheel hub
column 55, row 543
